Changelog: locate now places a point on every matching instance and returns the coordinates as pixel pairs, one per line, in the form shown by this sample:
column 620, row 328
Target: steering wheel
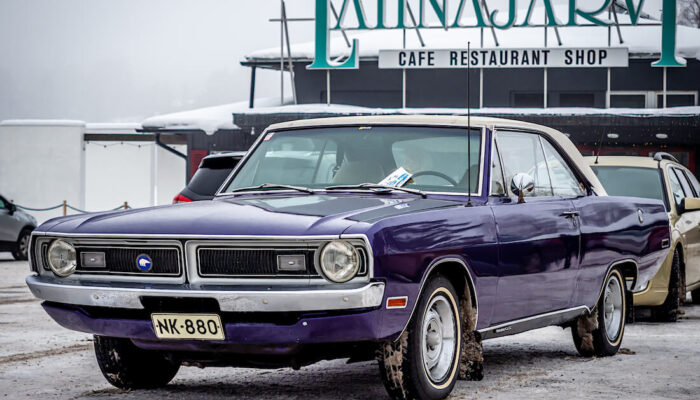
column 438, row 174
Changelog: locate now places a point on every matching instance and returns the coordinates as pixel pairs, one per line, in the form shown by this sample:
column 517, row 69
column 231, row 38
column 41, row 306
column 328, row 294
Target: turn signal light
column 396, row 302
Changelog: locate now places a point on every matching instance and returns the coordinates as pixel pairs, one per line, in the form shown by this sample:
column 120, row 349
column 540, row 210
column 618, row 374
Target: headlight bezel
column 72, row 263
column 328, row 246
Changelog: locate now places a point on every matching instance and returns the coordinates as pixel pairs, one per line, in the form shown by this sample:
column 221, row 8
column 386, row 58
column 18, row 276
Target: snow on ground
column 41, row 360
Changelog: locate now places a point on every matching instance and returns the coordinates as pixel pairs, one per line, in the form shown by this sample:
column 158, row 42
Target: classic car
column 663, row 178
column 408, row 239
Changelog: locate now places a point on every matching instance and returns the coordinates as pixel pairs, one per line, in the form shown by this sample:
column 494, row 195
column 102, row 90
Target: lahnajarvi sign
column 437, row 10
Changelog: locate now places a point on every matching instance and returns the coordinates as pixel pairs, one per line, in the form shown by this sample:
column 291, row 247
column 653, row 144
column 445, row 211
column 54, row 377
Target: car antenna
column 469, row 128
column 600, row 146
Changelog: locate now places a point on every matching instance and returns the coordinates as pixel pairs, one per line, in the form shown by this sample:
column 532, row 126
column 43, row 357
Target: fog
column 124, row 60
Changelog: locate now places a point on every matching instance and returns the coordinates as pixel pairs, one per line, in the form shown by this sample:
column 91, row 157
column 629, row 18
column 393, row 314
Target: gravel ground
column 41, row 360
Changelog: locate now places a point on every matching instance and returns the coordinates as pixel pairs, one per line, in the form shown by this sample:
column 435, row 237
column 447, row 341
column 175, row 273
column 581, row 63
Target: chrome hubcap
column 612, row 308
column 438, row 341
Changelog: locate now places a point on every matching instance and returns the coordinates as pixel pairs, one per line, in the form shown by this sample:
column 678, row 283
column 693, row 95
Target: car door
column 539, row 239
column 688, row 223
column 8, row 223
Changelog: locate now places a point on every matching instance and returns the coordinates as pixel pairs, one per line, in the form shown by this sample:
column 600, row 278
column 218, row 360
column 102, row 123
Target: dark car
column 405, row 239
column 212, row 172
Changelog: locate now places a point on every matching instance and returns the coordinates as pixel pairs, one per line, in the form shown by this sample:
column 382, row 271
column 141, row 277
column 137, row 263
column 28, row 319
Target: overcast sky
column 124, row 60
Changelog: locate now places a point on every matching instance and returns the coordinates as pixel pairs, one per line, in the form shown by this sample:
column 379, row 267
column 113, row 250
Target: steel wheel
column 613, row 304
column 438, row 338
column 23, row 245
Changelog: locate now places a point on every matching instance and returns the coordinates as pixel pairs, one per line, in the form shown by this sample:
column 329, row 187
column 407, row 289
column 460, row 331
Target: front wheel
column 424, row 362
column 600, row 332
column 128, row 367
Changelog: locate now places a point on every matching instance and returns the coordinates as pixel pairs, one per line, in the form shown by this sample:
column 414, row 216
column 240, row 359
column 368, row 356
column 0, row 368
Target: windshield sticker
column 397, row 178
column 268, row 137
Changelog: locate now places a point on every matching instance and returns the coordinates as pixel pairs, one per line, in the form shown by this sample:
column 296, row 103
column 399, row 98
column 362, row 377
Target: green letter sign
column 323, row 45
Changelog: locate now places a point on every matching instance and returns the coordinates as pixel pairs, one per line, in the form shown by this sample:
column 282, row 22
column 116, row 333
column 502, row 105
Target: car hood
column 255, row 215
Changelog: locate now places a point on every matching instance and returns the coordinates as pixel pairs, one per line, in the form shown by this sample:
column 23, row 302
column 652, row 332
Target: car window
column 676, row 187
column 684, row 183
column 564, row 182
column 497, row 182
column 685, row 180
column 631, row 181
column 2, row 204
column 694, row 182
column 522, row 153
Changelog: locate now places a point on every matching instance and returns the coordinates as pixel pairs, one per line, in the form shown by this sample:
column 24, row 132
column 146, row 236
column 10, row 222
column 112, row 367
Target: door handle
column 570, row 214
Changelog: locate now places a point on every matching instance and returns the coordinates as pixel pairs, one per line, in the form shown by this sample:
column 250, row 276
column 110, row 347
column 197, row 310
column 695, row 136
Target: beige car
column 663, row 178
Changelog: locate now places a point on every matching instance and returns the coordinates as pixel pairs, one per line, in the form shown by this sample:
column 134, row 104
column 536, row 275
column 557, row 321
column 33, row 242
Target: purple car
column 405, row 239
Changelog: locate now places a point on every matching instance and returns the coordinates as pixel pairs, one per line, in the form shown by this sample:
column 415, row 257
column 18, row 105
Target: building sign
column 434, row 14
column 504, row 58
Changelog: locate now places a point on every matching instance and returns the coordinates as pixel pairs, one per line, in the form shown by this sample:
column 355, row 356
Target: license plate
column 188, row 326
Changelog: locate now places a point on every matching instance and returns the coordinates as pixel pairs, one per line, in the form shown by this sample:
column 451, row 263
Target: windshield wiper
column 272, row 186
column 375, row 186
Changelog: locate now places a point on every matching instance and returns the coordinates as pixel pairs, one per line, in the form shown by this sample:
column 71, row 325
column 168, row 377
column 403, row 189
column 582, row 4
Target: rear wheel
column 21, row 250
column 600, row 333
column 669, row 310
column 128, row 367
column 424, row 362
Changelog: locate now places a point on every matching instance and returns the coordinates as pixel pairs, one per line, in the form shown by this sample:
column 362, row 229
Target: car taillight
column 181, row 199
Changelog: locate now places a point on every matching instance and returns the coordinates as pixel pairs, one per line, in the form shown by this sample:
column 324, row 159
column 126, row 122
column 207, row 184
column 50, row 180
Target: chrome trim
column 605, row 278
column 60, row 291
column 430, row 269
column 114, row 242
column 522, row 325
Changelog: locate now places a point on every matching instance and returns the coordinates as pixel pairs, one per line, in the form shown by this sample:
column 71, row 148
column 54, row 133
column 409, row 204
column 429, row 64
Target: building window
column 528, row 100
column 652, row 99
column 576, row 100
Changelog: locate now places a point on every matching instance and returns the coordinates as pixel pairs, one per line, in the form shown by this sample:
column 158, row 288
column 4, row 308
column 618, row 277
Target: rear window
column 211, row 174
column 632, row 182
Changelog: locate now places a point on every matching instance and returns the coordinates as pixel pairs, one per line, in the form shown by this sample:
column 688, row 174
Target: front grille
column 123, row 260
column 236, row 262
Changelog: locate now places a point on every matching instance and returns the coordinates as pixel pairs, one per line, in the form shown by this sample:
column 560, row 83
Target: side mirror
column 689, row 204
column 11, row 208
column 520, row 184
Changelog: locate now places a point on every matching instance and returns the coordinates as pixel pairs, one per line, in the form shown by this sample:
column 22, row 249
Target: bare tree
column 689, row 13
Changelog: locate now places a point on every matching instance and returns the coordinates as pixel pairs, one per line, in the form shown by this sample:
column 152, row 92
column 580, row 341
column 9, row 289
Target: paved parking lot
column 39, row 359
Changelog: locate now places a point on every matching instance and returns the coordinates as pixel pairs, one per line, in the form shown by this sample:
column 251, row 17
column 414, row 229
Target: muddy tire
column 126, row 366
column 20, row 251
column 670, row 309
column 600, row 332
column 424, row 362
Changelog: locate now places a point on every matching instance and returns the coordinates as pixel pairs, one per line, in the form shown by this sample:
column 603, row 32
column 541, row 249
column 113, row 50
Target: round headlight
column 339, row 261
column 62, row 258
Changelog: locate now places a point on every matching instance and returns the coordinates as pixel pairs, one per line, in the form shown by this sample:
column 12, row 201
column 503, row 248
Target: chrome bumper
column 306, row 299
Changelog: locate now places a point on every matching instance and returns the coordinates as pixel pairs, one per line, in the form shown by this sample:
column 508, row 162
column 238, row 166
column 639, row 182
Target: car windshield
column 434, row 157
column 631, row 181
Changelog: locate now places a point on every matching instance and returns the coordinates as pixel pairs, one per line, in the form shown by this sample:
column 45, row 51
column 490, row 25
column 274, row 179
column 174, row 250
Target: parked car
column 464, row 232
column 211, row 173
column 15, row 229
column 663, row 178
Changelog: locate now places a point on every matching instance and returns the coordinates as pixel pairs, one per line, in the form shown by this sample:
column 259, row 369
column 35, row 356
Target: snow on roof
column 209, row 119
column 41, row 122
column 112, row 127
column 639, row 39
column 339, row 109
